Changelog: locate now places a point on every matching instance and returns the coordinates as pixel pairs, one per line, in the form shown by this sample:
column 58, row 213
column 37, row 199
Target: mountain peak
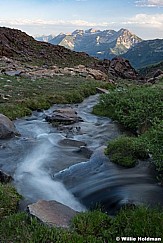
column 90, row 31
column 78, row 32
column 98, row 43
column 122, row 30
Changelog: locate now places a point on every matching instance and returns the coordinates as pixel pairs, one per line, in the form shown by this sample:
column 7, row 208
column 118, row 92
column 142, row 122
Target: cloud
column 149, row 3
column 146, row 20
column 41, row 22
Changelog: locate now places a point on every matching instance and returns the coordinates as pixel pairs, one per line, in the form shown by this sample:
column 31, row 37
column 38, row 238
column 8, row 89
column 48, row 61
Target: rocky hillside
column 22, row 47
column 102, row 44
column 18, row 49
column 145, row 53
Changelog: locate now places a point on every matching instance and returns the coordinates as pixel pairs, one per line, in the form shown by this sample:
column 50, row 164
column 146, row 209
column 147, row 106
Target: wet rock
column 52, row 213
column 85, row 151
column 72, row 143
column 4, row 177
column 63, row 116
column 7, row 127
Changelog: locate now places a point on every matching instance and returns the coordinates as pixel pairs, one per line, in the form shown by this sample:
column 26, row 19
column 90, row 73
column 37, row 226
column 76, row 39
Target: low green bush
column 126, row 151
column 137, row 108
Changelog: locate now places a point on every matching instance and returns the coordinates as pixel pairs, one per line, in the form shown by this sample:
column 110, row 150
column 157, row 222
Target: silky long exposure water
column 45, row 168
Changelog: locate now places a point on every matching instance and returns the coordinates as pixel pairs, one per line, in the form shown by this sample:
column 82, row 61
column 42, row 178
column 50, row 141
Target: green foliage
column 141, row 221
column 14, row 110
column 88, row 227
column 126, row 150
column 9, row 199
column 139, row 109
column 136, row 108
column 154, row 141
column 91, row 223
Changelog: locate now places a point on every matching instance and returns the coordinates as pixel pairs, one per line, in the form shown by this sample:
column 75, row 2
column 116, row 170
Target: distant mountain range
column 45, row 38
column 110, row 43
column 102, row 44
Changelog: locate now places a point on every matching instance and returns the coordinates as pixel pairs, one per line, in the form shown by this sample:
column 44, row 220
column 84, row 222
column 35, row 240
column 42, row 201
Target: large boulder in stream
column 52, row 213
column 63, row 116
column 7, row 127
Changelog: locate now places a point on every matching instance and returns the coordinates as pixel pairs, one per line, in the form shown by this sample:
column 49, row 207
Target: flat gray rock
column 13, row 72
column 52, row 213
column 72, row 143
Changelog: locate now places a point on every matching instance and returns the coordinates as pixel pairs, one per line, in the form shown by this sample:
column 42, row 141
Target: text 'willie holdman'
column 141, row 239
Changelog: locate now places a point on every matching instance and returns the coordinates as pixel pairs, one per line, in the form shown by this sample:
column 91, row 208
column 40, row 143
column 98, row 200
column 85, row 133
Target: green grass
column 88, row 227
column 139, row 109
column 9, row 199
column 153, row 140
column 22, row 95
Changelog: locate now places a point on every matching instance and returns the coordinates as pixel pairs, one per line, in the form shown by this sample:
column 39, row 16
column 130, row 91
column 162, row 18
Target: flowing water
column 45, row 168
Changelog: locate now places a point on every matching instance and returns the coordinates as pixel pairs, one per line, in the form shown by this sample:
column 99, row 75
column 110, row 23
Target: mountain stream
column 45, row 168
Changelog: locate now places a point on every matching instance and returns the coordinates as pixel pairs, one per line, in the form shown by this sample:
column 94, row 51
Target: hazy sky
column 37, row 17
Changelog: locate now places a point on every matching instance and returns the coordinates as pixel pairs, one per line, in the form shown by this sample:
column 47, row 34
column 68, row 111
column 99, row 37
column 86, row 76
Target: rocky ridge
column 102, row 70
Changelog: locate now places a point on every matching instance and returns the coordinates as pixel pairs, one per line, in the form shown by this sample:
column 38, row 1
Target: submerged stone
column 63, row 116
column 72, row 142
